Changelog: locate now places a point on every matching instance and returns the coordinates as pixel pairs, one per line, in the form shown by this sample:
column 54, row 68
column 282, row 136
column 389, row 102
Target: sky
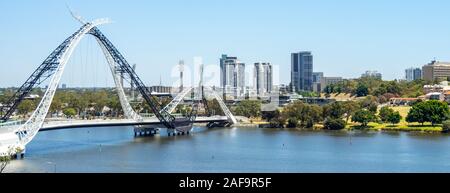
column 346, row 37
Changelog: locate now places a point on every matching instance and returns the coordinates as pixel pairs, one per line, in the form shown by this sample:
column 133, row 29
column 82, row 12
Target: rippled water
column 235, row 150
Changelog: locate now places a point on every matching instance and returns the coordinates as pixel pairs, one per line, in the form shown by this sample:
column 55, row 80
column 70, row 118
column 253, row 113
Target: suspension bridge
column 15, row 135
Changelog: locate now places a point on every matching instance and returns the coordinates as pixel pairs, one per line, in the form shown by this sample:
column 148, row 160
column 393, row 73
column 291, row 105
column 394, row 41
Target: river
column 115, row 149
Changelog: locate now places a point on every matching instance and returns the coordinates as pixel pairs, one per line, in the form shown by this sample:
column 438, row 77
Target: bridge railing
column 11, row 124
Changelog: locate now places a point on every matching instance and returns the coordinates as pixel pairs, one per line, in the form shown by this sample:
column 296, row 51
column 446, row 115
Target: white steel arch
column 28, row 131
column 174, row 103
column 127, row 108
column 224, row 107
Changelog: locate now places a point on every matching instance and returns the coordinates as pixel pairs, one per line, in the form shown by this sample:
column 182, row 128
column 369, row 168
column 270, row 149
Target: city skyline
column 164, row 37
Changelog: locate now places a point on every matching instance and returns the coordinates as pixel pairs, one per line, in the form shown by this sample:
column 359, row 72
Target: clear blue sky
column 346, row 37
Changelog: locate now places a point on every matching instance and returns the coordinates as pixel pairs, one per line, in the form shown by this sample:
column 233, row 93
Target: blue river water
column 115, row 149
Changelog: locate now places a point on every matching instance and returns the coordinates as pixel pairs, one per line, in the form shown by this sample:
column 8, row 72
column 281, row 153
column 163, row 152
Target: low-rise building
column 371, row 74
column 402, row 101
column 161, row 89
column 325, row 81
column 441, row 87
column 435, row 96
column 436, row 70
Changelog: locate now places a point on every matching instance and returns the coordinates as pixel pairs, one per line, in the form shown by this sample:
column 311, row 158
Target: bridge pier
column 16, row 155
column 144, row 131
column 173, row 132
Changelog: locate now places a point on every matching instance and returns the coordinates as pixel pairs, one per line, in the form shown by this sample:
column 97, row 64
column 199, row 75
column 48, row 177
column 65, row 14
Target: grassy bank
column 402, row 126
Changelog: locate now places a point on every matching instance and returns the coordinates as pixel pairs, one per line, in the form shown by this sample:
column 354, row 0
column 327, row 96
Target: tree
column 429, row 111
column 292, row 122
column 4, row 161
column 56, row 105
column 384, row 113
column 279, row 121
column 363, row 116
column 394, row 117
column 446, row 126
column 362, row 90
column 305, row 115
column 438, row 111
column 214, row 108
column 370, row 103
column 249, row 108
column 269, row 115
column 349, row 107
column 310, row 115
column 70, row 112
column 25, row 107
column 417, row 113
column 334, row 124
column 334, row 110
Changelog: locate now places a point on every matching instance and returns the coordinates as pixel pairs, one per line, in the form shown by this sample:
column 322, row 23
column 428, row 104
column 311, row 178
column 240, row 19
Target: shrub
column 446, row 125
column 334, row 124
column 292, row 123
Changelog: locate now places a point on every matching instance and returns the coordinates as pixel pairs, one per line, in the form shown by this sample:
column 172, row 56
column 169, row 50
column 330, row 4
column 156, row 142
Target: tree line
column 383, row 90
column 337, row 115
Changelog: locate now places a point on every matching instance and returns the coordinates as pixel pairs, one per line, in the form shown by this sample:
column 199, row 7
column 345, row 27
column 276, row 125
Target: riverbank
column 414, row 127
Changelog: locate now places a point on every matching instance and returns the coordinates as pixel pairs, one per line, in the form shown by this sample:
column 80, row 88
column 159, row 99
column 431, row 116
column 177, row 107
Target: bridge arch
column 53, row 67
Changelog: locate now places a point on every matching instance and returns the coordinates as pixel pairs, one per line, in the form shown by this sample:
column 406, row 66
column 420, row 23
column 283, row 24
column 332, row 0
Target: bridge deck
column 65, row 124
column 8, row 137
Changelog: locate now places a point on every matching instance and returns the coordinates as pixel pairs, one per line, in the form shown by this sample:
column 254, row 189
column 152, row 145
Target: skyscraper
column 263, row 78
column 412, row 74
column 232, row 75
column 301, row 71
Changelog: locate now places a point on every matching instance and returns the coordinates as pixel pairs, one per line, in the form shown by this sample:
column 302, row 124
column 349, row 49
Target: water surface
column 115, row 149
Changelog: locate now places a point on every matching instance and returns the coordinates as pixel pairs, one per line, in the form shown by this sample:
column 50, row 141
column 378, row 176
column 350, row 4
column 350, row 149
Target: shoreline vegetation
column 374, row 123
column 371, row 127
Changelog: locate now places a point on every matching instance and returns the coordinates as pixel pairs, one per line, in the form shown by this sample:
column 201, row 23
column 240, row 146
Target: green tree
column 310, row 115
column 363, row 116
column 417, row 113
column 248, row 108
column 56, row 105
column 279, row 120
column 292, row 122
column 25, row 107
column 4, row 161
column 370, row 103
column 214, row 108
column 384, row 113
column 349, row 107
column 70, row 112
column 304, row 114
column 429, row 111
column 269, row 115
column 446, row 126
column 334, row 110
column 362, row 90
column 394, row 118
column 334, row 124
